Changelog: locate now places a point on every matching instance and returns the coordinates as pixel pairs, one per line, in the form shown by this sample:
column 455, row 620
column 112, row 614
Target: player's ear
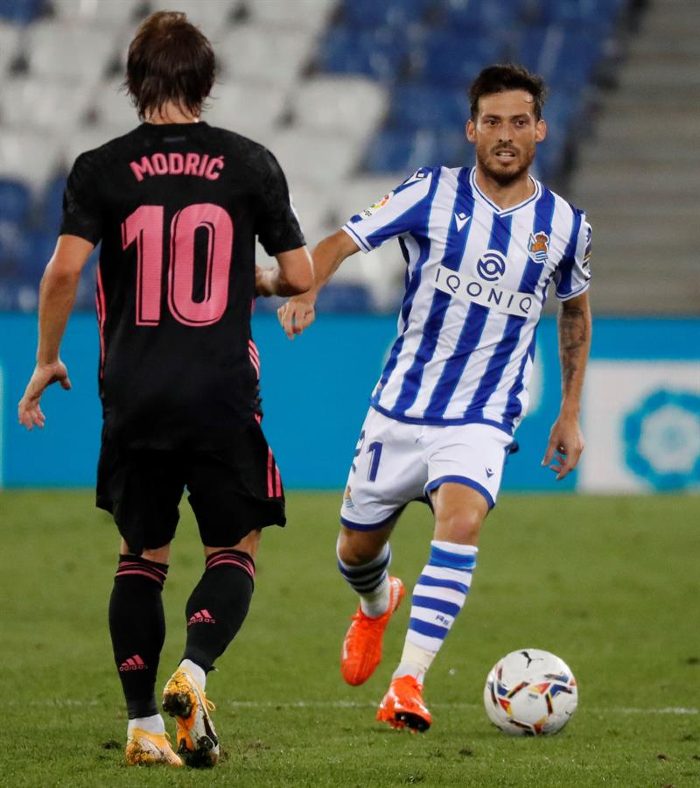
column 470, row 129
column 540, row 130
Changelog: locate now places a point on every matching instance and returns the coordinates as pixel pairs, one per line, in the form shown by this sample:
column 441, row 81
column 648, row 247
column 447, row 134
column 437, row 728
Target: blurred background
column 352, row 96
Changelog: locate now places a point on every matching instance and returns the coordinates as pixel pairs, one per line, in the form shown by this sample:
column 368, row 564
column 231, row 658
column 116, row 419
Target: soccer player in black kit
column 177, row 205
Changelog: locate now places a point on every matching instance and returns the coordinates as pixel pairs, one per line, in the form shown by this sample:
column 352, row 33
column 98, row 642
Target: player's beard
column 501, row 175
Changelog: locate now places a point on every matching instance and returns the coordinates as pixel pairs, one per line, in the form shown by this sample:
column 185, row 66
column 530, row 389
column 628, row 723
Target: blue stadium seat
column 563, row 108
column 551, row 154
column 10, row 245
column 35, row 250
column 22, row 12
column 23, row 257
column 454, row 59
column 15, row 201
column 380, row 54
column 344, row 298
column 417, row 105
column 481, row 15
column 401, row 151
column 52, row 203
column 565, row 56
column 562, row 111
column 371, row 14
column 593, row 13
column 17, row 296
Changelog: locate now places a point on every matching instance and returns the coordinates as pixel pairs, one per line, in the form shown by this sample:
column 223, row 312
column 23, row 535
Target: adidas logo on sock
column 133, row 663
column 201, row 617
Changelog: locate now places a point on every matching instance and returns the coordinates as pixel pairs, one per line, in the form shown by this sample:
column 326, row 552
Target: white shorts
column 396, row 463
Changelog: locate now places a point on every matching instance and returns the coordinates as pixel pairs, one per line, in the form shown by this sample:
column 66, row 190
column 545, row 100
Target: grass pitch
column 610, row 584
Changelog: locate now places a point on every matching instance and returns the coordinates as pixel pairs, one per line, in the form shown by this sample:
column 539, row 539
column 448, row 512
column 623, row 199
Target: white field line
column 348, row 704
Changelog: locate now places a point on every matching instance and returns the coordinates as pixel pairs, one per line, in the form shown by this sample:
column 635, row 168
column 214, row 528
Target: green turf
column 609, row 584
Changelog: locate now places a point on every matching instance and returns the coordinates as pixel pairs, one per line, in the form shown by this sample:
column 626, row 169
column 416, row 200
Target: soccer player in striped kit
column 481, row 246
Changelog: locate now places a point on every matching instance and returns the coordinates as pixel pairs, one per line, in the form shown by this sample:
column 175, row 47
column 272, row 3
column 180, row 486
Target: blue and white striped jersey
column 476, row 282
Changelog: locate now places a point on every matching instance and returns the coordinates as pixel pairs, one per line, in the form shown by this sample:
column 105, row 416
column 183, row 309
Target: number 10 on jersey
column 145, row 228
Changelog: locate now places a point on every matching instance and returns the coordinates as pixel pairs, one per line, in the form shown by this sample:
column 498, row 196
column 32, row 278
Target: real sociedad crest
column 538, row 247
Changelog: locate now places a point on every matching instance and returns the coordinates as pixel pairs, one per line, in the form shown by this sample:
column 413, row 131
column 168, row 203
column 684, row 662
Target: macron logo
column 461, row 220
column 417, row 176
column 489, row 472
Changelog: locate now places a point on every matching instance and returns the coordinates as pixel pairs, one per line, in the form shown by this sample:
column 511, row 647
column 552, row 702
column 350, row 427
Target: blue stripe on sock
column 361, row 573
column 368, row 586
column 440, row 557
column 425, row 580
column 429, row 630
column 366, row 578
column 430, row 603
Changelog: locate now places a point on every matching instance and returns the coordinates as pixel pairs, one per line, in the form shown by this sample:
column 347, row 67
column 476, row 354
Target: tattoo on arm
column 574, row 339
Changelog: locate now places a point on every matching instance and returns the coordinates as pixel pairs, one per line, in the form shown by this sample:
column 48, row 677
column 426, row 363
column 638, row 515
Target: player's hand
column 297, row 314
column 564, row 447
column 29, row 408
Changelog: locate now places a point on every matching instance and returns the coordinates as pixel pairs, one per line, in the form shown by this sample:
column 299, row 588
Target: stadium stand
column 358, row 94
column 9, row 42
column 252, row 109
column 53, row 105
column 639, row 172
column 98, row 12
column 29, row 155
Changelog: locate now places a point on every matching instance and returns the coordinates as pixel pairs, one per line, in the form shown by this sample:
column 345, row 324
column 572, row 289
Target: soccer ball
column 530, row 693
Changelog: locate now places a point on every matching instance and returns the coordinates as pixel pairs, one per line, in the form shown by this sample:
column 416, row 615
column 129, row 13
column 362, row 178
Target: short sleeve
column 277, row 225
column 573, row 274
column 82, row 213
column 402, row 210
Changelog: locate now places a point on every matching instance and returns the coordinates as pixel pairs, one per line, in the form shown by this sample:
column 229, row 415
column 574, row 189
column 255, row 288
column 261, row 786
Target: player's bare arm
column 299, row 312
column 294, row 274
column 59, row 285
column 565, row 439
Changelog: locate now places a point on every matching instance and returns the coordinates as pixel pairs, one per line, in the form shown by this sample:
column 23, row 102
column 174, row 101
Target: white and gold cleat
column 197, row 741
column 148, row 749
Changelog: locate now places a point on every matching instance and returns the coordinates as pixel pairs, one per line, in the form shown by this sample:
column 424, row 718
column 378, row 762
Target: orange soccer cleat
column 403, row 707
column 362, row 647
column 148, row 749
column 184, row 699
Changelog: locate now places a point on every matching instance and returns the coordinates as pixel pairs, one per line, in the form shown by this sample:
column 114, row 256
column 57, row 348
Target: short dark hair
column 169, row 60
column 499, row 78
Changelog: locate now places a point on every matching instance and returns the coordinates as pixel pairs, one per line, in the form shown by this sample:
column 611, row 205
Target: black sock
column 137, row 627
column 218, row 606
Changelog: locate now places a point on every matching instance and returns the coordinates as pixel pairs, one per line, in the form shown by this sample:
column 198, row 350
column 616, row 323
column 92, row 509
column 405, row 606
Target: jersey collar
column 505, row 211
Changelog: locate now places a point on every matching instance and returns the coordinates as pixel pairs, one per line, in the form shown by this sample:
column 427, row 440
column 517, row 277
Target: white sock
column 370, row 581
column 197, row 673
column 376, row 603
column 152, row 724
column 415, row 662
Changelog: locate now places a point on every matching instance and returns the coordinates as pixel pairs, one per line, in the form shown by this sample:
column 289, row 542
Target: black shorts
column 232, row 491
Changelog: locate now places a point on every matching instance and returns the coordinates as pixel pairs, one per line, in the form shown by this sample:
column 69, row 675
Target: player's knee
column 160, row 555
column 249, row 544
column 355, row 548
column 460, row 527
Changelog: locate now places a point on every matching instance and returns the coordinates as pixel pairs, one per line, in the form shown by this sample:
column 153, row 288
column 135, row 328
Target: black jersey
column 178, row 208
